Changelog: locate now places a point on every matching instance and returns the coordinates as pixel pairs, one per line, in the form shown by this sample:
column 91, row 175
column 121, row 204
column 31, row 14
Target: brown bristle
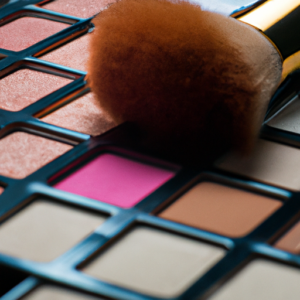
column 183, row 75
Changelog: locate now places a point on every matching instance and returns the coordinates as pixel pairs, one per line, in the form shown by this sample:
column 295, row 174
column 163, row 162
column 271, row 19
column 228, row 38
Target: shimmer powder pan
column 21, row 33
column 78, row 8
column 23, row 153
column 26, row 86
column 82, row 115
column 74, row 54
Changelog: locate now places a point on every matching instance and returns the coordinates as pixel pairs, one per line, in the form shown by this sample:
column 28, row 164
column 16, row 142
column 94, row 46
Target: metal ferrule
column 279, row 21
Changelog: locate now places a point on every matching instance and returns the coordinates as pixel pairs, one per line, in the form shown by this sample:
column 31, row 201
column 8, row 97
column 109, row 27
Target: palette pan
column 21, row 33
column 73, row 54
column 154, row 262
column 16, row 93
column 115, row 180
column 82, row 9
column 262, row 279
column 44, row 230
column 24, row 153
column 221, row 209
column 80, row 113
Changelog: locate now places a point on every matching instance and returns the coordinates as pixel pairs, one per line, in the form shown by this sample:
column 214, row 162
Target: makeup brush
column 196, row 83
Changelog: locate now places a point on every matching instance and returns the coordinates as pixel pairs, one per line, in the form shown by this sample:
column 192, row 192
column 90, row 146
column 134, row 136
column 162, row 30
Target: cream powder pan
column 56, row 293
column 45, row 230
column 154, row 262
column 262, row 280
column 270, row 162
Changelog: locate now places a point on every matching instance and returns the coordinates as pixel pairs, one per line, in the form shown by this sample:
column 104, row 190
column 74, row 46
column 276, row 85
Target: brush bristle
column 183, row 75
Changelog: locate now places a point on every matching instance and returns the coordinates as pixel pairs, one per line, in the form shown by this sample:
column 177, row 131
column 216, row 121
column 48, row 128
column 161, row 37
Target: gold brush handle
column 279, row 21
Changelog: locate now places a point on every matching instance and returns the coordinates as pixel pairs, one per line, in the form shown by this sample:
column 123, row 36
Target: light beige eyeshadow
column 44, row 230
column 270, row 162
column 262, row 280
column 56, row 293
column 289, row 118
column 154, row 262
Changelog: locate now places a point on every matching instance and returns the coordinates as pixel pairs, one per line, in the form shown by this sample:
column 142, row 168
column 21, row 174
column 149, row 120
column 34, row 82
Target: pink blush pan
column 115, row 180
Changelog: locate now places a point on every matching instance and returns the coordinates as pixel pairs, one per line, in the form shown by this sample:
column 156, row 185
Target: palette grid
column 21, row 192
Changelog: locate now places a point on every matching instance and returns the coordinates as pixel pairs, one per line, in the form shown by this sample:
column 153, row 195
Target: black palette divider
column 121, row 140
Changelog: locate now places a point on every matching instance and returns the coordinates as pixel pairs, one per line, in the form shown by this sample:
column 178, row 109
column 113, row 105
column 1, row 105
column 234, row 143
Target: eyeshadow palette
column 85, row 214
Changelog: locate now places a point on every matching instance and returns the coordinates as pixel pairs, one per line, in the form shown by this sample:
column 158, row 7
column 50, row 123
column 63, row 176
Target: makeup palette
column 86, row 214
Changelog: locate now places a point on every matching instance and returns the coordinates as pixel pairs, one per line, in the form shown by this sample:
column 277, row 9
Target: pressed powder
column 23, row 153
column 25, row 87
column 50, row 292
column 115, row 180
column 83, row 115
column 262, row 280
column 44, row 230
column 154, row 262
column 22, row 33
column 289, row 118
column 73, row 55
column 291, row 240
column 77, row 8
column 221, row 209
column 270, row 162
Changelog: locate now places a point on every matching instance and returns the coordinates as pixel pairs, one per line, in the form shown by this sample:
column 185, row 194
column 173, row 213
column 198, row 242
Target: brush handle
column 279, row 21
